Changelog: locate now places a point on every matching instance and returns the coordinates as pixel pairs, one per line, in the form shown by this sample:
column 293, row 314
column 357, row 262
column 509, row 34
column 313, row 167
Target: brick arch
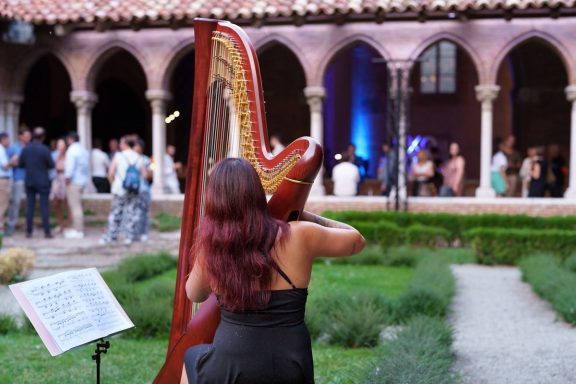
column 166, row 69
column 17, row 81
column 274, row 39
column 461, row 43
column 103, row 53
column 549, row 40
column 338, row 47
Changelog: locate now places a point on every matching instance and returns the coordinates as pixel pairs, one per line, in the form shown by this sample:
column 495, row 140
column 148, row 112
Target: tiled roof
column 90, row 11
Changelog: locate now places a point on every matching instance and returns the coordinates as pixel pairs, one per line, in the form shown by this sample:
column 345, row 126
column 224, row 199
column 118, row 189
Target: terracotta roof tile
column 60, row 11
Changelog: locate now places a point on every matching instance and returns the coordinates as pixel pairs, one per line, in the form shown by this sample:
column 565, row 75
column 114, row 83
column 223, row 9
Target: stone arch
column 549, row 40
column 461, row 43
column 27, row 62
column 103, row 53
column 335, row 49
column 183, row 48
column 275, row 38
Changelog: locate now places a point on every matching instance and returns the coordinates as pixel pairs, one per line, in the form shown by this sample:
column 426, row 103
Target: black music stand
column 101, row 347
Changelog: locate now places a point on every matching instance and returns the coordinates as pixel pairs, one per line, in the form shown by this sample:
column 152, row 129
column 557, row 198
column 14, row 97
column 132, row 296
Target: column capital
column 83, row 99
column 486, row 92
column 315, row 91
column 314, row 96
column 570, row 92
column 158, row 94
column 15, row 98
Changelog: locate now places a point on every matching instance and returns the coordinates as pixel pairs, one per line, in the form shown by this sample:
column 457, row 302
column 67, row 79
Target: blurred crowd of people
column 59, row 175
column 541, row 173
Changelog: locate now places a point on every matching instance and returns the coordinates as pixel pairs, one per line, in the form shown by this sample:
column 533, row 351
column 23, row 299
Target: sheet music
column 74, row 308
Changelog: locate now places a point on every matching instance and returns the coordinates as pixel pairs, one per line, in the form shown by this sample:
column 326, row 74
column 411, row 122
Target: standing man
column 18, row 179
column 76, row 172
column 36, row 159
column 346, row 177
column 5, row 177
column 100, row 163
column 171, row 183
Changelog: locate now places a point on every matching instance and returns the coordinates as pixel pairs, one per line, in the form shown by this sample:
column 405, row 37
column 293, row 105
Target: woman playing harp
column 259, row 268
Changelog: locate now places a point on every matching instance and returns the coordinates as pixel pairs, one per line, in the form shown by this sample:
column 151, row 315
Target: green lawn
column 391, row 281
column 24, row 359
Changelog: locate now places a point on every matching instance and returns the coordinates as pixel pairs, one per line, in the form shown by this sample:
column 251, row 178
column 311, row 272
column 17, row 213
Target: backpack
column 131, row 182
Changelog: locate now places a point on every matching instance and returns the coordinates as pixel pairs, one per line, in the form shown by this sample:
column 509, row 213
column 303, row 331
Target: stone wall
column 100, row 204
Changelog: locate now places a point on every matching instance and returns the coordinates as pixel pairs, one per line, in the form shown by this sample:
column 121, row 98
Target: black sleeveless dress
column 270, row 346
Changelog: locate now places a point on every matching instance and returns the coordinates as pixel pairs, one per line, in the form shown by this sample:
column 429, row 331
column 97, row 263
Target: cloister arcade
column 323, row 80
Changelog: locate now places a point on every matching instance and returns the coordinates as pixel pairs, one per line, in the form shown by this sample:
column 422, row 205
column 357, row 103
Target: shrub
column 430, row 291
column 370, row 255
column 7, row 324
column 389, row 234
column 507, row 246
column 420, row 354
column 166, row 223
column 7, row 270
column 456, row 224
column 570, row 263
column 552, row 283
column 401, row 256
column 143, row 267
column 350, row 321
column 150, row 310
column 15, row 263
column 425, row 236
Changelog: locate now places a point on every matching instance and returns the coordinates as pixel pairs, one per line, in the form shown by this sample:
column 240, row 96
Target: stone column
column 3, row 118
column 400, row 93
column 314, row 96
column 84, row 101
column 12, row 115
column 486, row 93
column 571, row 191
column 158, row 98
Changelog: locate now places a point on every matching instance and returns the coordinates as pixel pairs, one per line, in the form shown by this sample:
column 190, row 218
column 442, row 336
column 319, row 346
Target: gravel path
column 504, row 333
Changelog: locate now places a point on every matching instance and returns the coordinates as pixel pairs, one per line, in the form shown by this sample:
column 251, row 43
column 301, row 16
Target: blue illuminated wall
column 354, row 110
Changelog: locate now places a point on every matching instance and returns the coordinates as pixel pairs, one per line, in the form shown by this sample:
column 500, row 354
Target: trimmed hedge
column 455, row 224
column 430, row 291
column 508, row 246
column 553, row 283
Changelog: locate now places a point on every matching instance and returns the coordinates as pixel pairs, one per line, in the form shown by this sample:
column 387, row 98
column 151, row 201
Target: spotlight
column 338, row 156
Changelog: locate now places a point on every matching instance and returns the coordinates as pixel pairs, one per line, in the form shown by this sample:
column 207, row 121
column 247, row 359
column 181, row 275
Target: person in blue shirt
column 36, row 159
column 18, row 188
column 5, row 176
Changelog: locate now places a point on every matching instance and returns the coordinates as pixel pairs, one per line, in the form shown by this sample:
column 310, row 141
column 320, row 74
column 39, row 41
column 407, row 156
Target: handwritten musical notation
column 74, row 307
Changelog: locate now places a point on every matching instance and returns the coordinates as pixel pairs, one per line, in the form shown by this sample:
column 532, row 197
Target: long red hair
column 237, row 235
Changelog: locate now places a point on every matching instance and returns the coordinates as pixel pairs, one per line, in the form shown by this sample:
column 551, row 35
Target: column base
column 570, row 193
column 318, row 188
column 485, row 192
column 157, row 190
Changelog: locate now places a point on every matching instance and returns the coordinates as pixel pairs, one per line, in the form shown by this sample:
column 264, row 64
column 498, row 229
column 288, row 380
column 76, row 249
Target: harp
column 228, row 120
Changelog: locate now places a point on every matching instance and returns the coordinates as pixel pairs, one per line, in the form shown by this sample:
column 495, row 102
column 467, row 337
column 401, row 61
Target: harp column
column 314, row 96
column 485, row 94
column 84, row 102
column 571, row 191
column 158, row 99
column 12, row 115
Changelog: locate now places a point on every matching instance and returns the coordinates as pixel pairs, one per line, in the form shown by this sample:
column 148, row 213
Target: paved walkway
column 505, row 334
column 60, row 254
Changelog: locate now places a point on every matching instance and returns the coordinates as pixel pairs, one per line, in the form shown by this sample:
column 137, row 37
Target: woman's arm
column 324, row 237
column 197, row 288
column 112, row 170
column 459, row 175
